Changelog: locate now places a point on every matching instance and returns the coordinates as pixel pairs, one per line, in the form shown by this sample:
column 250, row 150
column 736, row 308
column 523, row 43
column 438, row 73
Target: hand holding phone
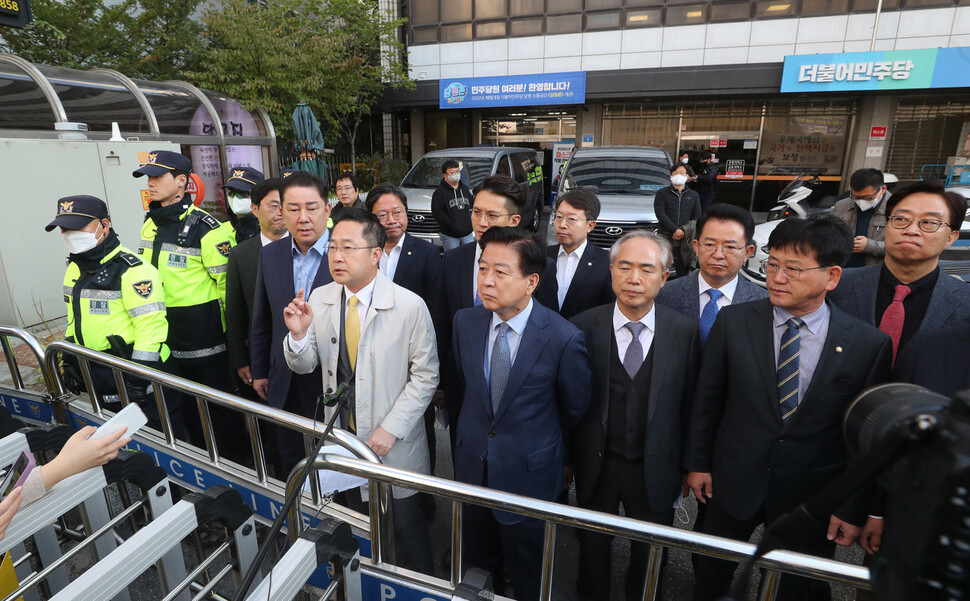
column 17, row 473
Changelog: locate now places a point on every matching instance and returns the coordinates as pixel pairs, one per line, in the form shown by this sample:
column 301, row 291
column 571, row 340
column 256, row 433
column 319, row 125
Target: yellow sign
column 8, row 577
column 146, row 198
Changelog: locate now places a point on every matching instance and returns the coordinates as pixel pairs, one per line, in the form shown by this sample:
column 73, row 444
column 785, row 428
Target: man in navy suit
column 413, row 264
column 290, row 266
column 526, row 382
column 498, row 200
column 723, row 241
column 582, row 269
column 776, row 377
column 627, row 448
column 908, row 293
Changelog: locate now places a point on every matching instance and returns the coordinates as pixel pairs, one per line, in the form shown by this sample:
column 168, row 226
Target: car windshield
column 427, row 172
column 617, row 175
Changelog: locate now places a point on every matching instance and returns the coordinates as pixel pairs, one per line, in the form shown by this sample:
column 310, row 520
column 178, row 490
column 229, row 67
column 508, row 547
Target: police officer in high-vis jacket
column 115, row 304
column 190, row 249
column 238, row 189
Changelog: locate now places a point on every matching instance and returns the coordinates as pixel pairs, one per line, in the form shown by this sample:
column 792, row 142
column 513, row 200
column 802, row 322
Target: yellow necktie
column 352, row 331
column 352, row 335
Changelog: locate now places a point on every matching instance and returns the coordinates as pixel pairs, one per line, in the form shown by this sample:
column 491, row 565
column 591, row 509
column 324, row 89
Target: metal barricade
column 555, row 514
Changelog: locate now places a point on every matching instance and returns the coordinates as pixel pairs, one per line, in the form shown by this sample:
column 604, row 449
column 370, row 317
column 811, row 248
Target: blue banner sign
column 888, row 70
column 513, row 90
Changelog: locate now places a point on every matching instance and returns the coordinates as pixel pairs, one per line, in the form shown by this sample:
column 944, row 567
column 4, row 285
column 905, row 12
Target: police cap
column 161, row 162
column 75, row 212
column 243, row 178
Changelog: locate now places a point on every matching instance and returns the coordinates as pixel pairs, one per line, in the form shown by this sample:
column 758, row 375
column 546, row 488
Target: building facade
column 684, row 74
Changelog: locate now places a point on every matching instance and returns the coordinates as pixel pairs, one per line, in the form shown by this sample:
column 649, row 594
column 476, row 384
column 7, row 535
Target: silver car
column 477, row 163
column 625, row 179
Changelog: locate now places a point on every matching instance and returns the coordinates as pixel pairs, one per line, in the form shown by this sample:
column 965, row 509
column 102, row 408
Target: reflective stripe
column 182, row 250
column 205, row 352
column 101, row 294
column 219, row 269
column 149, row 308
column 145, row 356
column 147, row 244
column 69, row 290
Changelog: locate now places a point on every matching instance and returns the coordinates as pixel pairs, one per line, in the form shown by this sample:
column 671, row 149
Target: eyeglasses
column 274, row 207
column 345, row 188
column 477, row 215
column 927, row 225
column 397, row 214
column 792, row 273
column 346, row 250
column 571, row 221
column 709, row 248
column 872, row 196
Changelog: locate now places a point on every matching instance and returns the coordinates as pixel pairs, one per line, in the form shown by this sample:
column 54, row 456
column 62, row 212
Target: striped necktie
column 788, row 369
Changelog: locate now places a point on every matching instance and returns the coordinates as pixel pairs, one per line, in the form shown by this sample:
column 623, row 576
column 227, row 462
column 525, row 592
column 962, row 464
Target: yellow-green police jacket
column 124, row 300
column 190, row 248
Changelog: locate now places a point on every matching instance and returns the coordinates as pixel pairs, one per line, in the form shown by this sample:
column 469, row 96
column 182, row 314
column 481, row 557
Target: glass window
column 565, row 6
column 456, row 10
column 564, row 24
column 642, row 132
column 602, row 20
column 643, row 18
column 456, row 33
column 96, row 99
column 631, row 3
column 491, row 9
column 737, row 11
column 860, row 6
column 925, row 3
column 424, row 12
column 236, row 121
column 803, row 142
column 424, row 35
column 427, row 172
column 813, row 8
column 686, row 15
column 518, row 8
column 600, row 4
column 521, row 27
column 774, row 8
column 503, row 166
column 617, row 175
column 490, row 30
column 22, row 104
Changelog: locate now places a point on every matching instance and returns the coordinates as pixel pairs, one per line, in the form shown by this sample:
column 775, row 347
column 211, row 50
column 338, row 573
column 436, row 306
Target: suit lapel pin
column 409, row 253
column 590, row 263
column 838, row 349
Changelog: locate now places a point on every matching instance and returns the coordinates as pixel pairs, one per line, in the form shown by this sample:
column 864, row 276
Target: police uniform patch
column 99, row 307
column 143, row 288
column 178, row 261
column 223, row 248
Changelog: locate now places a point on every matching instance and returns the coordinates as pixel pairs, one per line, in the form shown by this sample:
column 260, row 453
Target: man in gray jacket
column 864, row 211
column 376, row 336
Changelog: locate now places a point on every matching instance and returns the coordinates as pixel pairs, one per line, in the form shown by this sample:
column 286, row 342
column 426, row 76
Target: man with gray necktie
column 627, row 448
column 526, row 383
column 765, row 432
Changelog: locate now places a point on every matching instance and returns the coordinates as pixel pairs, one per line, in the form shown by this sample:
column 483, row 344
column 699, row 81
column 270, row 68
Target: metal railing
column 555, row 514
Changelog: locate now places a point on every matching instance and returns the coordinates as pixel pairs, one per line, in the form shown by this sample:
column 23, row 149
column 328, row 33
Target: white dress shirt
column 624, row 336
column 727, row 292
column 516, row 327
column 478, row 255
column 566, row 264
column 389, row 260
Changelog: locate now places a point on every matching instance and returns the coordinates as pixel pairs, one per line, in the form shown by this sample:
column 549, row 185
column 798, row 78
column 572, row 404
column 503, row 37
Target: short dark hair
column 350, row 176
column 956, row 204
column 260, row 190
column 581, row 199
column 825, row 236
column 722, row 211
column 449, row 164
column 863, row 178
column 676, row 166
column 380, row 190
column 503, row 185
column 175, row 173
column 531, row 250
column 374, row 233
column 302, row 179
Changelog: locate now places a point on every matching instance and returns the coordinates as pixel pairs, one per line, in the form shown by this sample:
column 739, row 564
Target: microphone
column 334, row 397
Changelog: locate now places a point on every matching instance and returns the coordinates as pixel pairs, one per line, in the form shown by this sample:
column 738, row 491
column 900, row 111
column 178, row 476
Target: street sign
column 15, row 13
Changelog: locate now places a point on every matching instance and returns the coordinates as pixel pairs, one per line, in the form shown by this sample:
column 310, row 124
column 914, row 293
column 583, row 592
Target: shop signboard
column 877, row 133
column 734, row 168
column 512, row 90
column 887, row 70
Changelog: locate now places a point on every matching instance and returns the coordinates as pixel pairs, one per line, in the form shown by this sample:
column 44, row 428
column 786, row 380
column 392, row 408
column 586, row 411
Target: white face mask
column 684, row 161
column 79, row 242
column 240, row 205
column 454, row 178
column 678, row 180
column 865, row 205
